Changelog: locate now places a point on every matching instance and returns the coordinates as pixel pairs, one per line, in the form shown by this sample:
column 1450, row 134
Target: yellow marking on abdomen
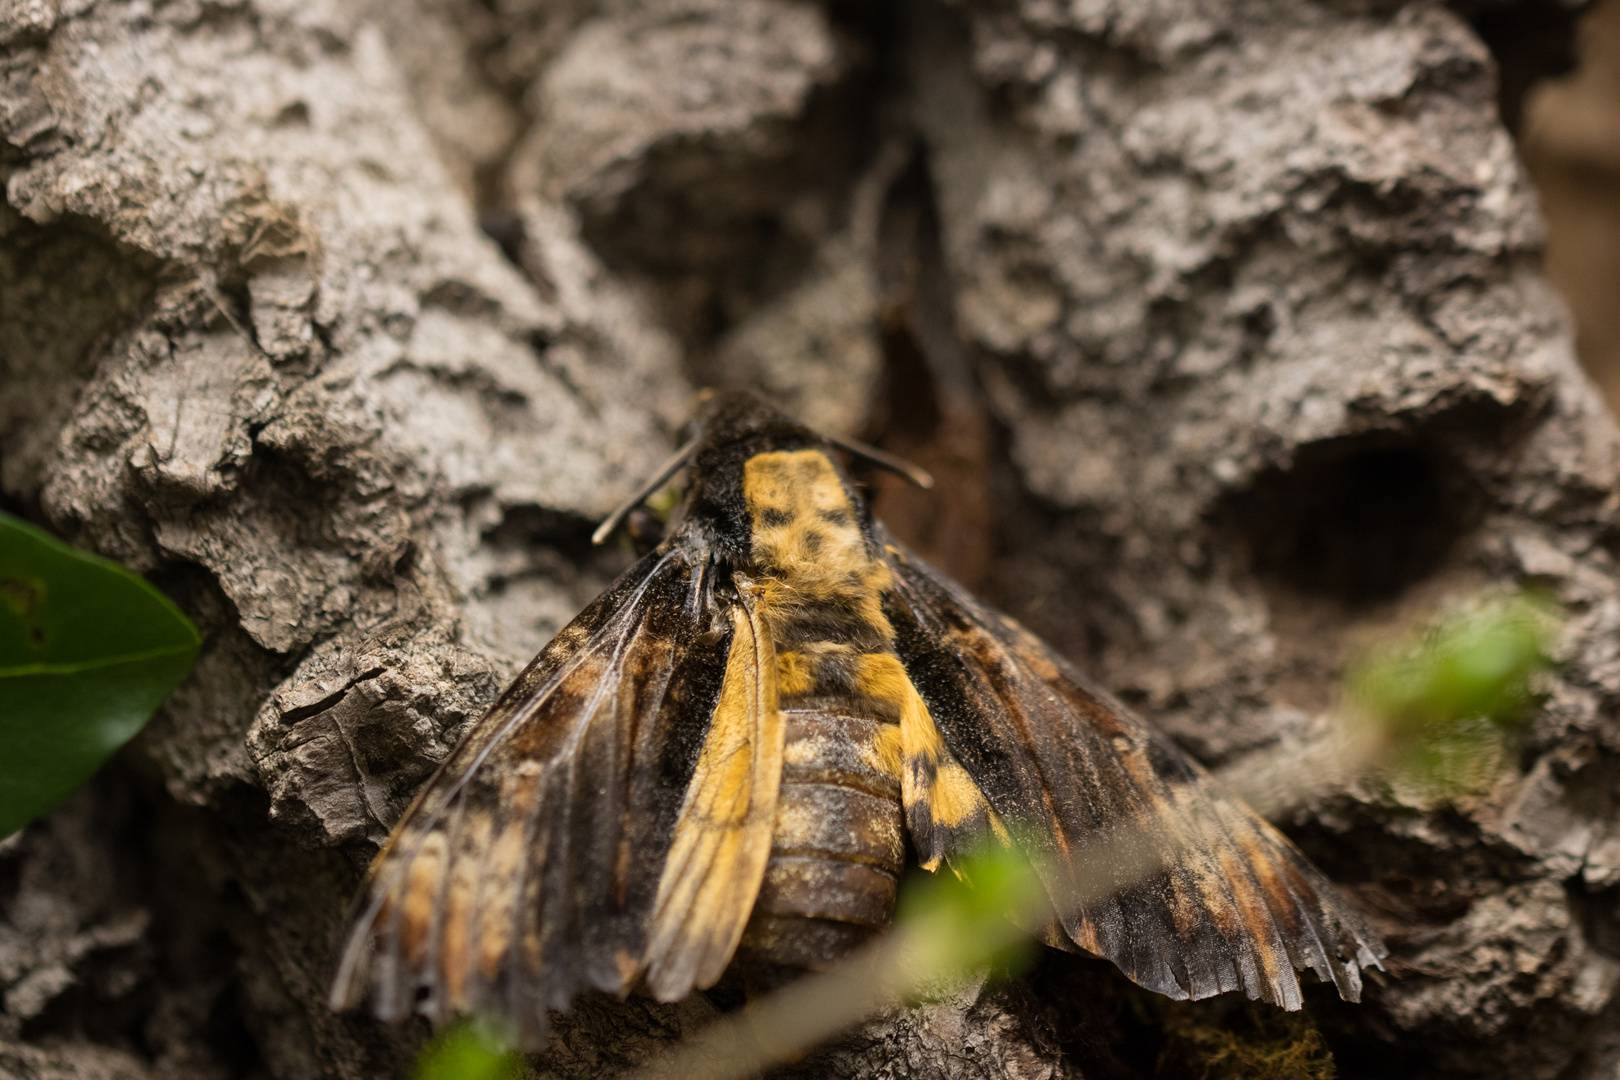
column 917, row 750
column 795, row 674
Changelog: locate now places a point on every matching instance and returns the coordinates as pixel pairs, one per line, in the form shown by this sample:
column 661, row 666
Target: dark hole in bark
column 1531, row 40
column 910, row 269
column 66, row 289
column 910, row 400
column 228, row 1036
column 1104, row 1024
column 502, row 224
column 534, row 541
column 528, row 525
column 928, row 409
column 1363, row 1050
column 1355, row 520
column 10, row 505
column 1599, row 915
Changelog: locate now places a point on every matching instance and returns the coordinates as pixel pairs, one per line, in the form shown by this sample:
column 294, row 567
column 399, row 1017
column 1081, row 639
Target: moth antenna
column 676, row 462
column 884, row 460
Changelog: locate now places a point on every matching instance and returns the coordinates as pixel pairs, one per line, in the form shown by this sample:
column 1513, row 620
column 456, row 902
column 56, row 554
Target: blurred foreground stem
column 1433, row 713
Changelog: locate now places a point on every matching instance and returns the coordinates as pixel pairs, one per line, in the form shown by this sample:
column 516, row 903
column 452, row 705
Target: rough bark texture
column 1222, row 319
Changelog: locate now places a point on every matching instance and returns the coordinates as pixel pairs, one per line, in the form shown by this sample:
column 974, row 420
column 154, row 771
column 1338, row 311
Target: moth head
column 728, row 427
column 725, row 417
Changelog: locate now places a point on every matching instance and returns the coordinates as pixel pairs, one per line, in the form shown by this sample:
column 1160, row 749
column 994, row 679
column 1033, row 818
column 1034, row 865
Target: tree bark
column 1223, row 322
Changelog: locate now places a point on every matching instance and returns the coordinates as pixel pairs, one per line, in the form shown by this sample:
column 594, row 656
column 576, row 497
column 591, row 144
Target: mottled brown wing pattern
column 527, row 869
column 1226, row 902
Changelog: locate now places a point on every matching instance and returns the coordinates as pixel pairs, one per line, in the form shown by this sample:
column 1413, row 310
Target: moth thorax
column 820, row 579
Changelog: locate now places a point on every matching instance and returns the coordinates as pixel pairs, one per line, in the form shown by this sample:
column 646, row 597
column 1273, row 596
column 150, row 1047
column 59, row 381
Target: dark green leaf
column 88, row 651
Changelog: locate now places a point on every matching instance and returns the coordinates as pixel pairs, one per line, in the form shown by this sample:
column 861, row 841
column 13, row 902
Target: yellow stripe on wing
column 723, row 835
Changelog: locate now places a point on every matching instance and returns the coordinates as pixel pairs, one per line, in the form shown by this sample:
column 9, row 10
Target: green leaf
column 966, row 916
column 1445, row 703
column 471, row 1050
column 88, row 651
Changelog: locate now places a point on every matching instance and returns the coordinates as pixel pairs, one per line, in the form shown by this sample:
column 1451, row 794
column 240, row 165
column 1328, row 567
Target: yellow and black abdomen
column 839, row 845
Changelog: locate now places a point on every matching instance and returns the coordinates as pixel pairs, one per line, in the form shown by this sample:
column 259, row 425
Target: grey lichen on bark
column 1251, row 291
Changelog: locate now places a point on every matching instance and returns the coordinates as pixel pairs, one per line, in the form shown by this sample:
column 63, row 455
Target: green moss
column 1253, row 1042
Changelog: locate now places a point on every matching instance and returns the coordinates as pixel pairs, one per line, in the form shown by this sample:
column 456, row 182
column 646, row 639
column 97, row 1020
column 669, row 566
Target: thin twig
column 912, row 961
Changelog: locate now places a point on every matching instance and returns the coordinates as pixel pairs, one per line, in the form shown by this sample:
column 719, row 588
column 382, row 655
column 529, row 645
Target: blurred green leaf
column 468, row 1051
column 664, row 501
column 967, row 917
column 1443, row 704
column 88, row 651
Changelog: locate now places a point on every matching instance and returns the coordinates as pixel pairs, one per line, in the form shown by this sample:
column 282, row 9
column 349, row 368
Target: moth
column 726, row 757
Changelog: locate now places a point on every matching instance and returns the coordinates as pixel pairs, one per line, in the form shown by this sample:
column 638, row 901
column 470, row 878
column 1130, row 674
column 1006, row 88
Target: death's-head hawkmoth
column 727, row 755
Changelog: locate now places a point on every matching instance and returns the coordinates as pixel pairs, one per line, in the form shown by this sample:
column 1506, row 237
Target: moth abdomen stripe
column 836, row 889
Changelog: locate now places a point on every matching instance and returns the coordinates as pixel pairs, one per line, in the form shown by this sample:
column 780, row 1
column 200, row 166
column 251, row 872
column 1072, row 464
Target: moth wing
column 722, row 839
column 529, row 867
column 1203, row 895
